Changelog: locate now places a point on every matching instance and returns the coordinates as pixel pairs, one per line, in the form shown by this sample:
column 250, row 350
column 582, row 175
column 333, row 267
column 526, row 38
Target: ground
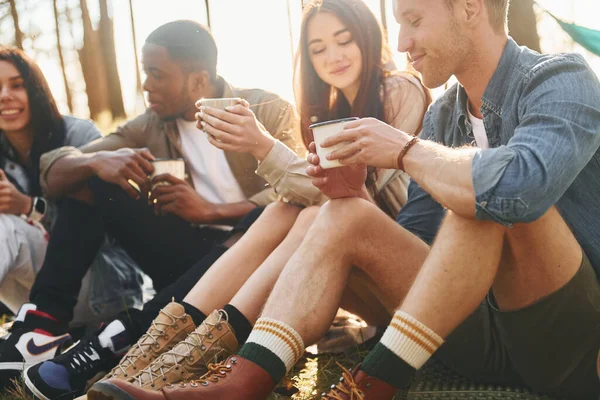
column 310, row 378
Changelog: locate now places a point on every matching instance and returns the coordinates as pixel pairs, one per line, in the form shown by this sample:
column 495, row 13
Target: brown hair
column 497, row 13
column 318, row 101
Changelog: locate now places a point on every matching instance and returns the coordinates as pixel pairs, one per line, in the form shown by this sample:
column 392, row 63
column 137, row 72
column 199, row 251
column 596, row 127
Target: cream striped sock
column 410, row 340
column 280, row 338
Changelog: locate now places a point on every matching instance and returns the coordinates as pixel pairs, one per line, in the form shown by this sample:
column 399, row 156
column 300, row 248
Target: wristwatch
column 38, row 209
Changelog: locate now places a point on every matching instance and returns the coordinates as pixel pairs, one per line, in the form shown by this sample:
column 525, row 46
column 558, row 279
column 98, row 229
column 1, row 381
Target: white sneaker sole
column 17, row 366
column 32, row 387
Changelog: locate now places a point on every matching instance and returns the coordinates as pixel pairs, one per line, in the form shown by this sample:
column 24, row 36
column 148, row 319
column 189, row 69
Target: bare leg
column 347, row 232
column 523, row 264
column 229, row 273
column 252, row 296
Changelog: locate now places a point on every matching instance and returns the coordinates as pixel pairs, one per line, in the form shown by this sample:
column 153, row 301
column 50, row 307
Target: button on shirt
column 542, row 116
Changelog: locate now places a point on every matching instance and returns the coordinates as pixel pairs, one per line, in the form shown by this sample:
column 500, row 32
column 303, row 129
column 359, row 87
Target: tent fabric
column 587, row 38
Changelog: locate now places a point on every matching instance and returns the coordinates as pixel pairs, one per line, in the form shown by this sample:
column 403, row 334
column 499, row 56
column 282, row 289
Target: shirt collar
column 497, row 88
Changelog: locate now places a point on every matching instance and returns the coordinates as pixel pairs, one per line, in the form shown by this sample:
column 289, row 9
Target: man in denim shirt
column 506, row 178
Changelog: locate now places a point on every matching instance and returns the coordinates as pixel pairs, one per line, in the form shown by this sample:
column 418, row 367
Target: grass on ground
column 311, row 376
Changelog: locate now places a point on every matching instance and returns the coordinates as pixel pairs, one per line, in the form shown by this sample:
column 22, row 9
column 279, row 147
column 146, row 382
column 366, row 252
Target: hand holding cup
column 233, row 127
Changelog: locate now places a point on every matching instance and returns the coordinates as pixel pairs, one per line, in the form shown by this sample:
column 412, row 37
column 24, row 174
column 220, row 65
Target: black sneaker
column 70, row 375
column 34, row 337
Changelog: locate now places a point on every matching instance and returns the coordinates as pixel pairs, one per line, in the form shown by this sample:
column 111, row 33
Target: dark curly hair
column 47, row 123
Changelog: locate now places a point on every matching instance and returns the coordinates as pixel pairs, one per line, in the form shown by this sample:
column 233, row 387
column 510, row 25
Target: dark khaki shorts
column 551, row 346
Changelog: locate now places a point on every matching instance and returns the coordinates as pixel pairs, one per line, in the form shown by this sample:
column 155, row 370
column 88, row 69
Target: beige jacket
column 405, row 105
column 163, row 140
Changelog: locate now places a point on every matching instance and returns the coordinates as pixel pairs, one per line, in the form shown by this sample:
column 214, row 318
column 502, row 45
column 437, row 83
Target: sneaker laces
column 144, row 344
column 347, row 386
column 83, row 358
column 173, row 357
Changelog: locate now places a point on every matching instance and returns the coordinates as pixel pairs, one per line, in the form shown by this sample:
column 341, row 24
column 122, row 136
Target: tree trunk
column 62, row 59
column 107, row 45
column 207, row 6
column 15, row 17
column 92, row 66
column 382, row 4
column 137, row 63
column 289, row 16
column 522, row 24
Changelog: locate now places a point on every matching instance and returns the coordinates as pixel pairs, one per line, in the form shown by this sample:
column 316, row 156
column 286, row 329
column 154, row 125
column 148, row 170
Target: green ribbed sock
column 265, row 359
column 383, row 364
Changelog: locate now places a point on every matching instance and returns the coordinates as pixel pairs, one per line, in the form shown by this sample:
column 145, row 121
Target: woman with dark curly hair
column 30, row 125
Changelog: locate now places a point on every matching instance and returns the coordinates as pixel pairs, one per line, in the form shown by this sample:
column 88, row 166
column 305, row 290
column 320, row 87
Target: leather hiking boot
column 212, row 341
column 234, row 379
column 170, row 327
column 358, row 385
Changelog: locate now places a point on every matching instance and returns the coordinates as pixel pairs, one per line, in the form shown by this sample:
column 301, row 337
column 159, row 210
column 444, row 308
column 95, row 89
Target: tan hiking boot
column 170, row 327
column 233, row 379
column 213, row 341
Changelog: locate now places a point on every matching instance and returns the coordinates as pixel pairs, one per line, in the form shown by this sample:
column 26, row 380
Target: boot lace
column 174, row 357
column 144, row 345
column 346, row 387
column 215, row 372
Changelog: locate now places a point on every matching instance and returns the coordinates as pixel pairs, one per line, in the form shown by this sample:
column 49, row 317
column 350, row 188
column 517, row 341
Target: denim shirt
column 542, row 118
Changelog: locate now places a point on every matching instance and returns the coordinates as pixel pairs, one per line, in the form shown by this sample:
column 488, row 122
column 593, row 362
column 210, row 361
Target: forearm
column 229, row 213
column 445, row 174
column 67, row 174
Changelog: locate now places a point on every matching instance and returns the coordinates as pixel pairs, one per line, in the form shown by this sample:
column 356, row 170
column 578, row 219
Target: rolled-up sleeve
column 285, row 171
column 557, row 135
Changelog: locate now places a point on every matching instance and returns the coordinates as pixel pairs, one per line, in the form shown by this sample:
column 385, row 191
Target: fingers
column 164, row 200
column 168, row 178
column 218, row 118
column 144, row 158
column 320, row 182
column 314, row 171
column 312, row 147
column 354, row 124
column 130, row 190
column 220, row 144
column 343, row 136
column 313, row 159
column 218, row 135
column 2, row 175
column 239, row 109
column 345, row 151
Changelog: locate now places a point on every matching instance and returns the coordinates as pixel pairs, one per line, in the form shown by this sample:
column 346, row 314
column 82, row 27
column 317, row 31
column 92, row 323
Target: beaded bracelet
column 404, row 150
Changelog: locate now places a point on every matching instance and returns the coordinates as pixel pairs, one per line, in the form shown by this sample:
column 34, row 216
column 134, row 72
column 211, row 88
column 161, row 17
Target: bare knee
column 349, row 213
column 307, row 217
column 279, row 210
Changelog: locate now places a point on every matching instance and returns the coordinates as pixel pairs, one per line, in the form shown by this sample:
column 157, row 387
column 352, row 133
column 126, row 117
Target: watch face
column 40, row 205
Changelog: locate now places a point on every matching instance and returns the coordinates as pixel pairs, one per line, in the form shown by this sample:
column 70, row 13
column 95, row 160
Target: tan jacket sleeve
column 127, row 135
column 284, row 168
column 286, row 173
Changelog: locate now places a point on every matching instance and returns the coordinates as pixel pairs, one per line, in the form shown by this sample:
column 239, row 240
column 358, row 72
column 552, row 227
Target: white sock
column 109, row 337
column 279, row 338
column 410, row 340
